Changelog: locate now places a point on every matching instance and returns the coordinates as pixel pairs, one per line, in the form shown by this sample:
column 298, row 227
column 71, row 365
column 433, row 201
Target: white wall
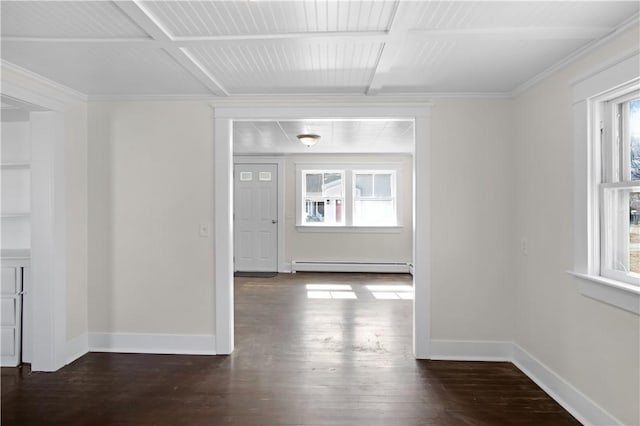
column 75, row 128
column 593, row 346
column 472, row 220
column 348, row 246
column 150, row 185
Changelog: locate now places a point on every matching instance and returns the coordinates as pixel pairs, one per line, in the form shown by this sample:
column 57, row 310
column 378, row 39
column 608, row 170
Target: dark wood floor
column 297, row 361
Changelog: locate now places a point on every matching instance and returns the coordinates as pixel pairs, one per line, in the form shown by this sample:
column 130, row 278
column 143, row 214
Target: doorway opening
column 33, row 249
column 225, row 116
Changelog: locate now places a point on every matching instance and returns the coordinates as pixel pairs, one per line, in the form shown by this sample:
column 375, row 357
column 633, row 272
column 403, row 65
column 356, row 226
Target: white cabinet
column 11, row 315
column 16, row 239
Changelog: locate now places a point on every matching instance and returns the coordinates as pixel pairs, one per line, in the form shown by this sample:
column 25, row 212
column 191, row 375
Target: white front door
column 11, row 316
column 256, row 214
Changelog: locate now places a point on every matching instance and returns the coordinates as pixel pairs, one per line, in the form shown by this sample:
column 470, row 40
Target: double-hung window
column 606, row 128
column 374, row 198
column 619, row 190
column 323, row 197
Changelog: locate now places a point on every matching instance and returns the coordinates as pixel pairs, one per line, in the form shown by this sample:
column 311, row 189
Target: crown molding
column 632, row 21
column 65, row 90
column 402, row 97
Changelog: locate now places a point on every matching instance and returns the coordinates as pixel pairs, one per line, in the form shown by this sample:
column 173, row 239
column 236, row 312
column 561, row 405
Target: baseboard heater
column 384, row 267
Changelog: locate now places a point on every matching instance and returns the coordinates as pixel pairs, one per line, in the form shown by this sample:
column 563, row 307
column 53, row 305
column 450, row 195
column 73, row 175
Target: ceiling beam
column 390, row 49
column 507, row 33
column 137, row 12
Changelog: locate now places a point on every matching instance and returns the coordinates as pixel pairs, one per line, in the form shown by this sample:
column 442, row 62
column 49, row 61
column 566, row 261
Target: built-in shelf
column 15, row 254
column 15, row 165
column 6, row 215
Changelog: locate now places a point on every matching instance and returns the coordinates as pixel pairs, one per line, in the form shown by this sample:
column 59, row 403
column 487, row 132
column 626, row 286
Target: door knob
column 274, row 221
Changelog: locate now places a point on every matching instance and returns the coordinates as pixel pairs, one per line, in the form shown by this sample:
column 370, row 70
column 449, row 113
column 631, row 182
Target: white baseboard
column 183, row 344
column 76, row 347
column 467, row 350
column 285, row 268
column 575, row 402
column 330, row 266
column 571, row 399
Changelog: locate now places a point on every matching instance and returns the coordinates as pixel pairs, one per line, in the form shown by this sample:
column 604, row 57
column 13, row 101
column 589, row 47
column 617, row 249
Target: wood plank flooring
column 298, row 361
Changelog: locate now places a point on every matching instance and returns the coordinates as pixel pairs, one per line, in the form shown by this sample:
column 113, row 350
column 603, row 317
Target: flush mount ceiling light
column 309, row 139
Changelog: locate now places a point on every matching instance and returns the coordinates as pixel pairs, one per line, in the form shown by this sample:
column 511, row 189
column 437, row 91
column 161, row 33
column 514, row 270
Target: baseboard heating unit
column 384, row 267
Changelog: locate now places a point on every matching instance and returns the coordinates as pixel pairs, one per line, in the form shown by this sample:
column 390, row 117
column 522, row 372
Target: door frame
column 48, row 259
column 224, row 115
column 279, row 162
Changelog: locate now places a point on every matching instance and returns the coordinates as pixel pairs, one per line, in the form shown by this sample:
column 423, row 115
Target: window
column 606, row 182
column 350, row 196
column 323, row 197
column 374, row 201
column 619, row 190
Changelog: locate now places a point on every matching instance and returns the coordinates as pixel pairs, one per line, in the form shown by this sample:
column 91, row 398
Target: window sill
column 352, row 229
column 615, row 293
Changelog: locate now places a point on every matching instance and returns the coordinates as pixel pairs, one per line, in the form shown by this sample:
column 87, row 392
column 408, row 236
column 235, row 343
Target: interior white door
column 11, row 311
column 256, row 217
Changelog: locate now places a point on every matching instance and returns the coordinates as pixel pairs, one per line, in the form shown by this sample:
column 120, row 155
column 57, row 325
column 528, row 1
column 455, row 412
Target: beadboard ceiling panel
column 106, row 69
column 445, row 64
column 337, row 136
column 218, row 18
column 291, row 67
column 227, row 48
column 74, row 19
column 515, row 14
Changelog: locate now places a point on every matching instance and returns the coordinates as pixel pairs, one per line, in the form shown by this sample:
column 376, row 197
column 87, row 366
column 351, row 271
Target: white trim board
column 77, row 347
column 224, row 115
column 175, row 344
column 338, row 266
column 564, row 393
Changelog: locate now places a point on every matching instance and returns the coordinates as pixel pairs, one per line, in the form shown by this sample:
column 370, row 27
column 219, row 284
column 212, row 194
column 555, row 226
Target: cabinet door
column 11, row 317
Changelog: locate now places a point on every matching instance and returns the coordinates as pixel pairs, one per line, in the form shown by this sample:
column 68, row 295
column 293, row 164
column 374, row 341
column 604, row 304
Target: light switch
column 204, row 230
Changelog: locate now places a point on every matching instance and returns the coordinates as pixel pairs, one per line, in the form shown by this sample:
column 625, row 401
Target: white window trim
column 624, row 74
column 349, row 170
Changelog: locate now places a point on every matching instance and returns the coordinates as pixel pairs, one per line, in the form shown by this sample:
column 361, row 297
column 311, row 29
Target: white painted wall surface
column 76, row 167
column 472, row 220
column 151, row 185
column 593, row 346
column 350, row 246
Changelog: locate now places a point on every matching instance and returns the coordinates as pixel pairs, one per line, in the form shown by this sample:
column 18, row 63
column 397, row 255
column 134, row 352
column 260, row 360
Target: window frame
column 349, row 169
column 611, row 122
column 607, row 81
column 303, row 196
column 392, row 197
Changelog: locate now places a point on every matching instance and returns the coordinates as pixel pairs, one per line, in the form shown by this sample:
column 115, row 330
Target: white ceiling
column 321, row 47
column 337, row 136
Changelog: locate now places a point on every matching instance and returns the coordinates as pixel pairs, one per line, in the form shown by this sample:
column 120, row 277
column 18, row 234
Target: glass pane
column 326, row 212
column 364, row 185
column 332, row 185
column 314, row 211
column 374, row 213
column 382, row 185
column 634, row 135
column 314, row 184
column 634, row 232
column 621, row 230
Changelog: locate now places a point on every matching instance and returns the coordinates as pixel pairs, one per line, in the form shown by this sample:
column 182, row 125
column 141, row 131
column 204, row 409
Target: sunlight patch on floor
column 331, row 295
column 328, row 287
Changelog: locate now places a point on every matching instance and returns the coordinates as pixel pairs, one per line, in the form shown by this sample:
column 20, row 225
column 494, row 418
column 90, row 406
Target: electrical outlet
column 524, row 247
column 204, row 230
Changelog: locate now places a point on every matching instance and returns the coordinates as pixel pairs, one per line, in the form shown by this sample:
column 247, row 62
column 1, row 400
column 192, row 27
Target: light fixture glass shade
column 308, row 139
